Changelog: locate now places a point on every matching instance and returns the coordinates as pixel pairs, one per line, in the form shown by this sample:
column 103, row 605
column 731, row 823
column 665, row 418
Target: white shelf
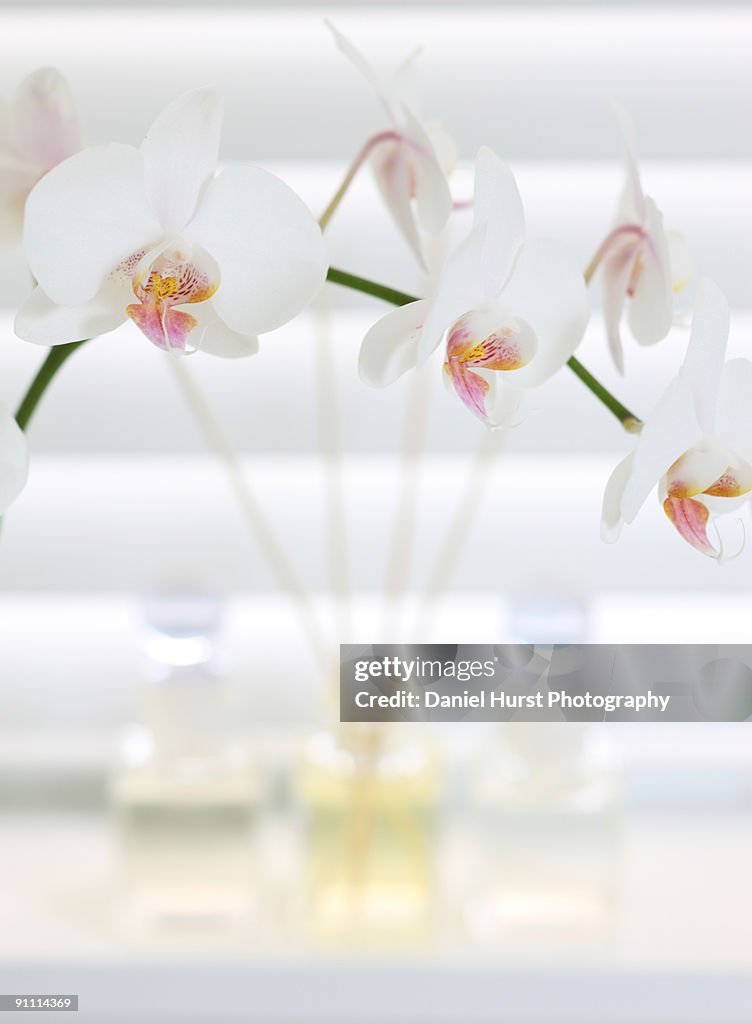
column 377, row 993
column 677, row 949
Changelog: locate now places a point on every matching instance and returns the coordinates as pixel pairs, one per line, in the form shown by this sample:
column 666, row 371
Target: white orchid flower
column 512, row 313
column 38, row 130
column 698, row 444
column 14, row 460
column 641, row 261
column 192, row 257
column 411, row 161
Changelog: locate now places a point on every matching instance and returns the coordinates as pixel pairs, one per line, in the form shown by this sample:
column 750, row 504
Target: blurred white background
column 124, row 499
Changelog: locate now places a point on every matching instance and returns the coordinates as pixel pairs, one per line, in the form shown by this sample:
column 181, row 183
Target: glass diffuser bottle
column 547, row 798
column 370, row 795
column 184, row 791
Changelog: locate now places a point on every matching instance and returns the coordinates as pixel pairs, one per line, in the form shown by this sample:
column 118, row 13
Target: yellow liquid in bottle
column 371, row 798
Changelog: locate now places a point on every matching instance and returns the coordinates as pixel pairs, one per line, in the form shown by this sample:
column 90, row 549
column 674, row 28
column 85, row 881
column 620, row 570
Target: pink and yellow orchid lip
column 485, row 340
column 730, row 484
column 683, row 504
column 170, row 281
column 708, row 469
column 470, row 387
column 502, row 349
column 690, row 517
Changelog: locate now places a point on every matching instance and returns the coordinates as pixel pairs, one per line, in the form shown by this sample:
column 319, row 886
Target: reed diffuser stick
column 414, row 444
column 331, row 445
column 402, row 544
column 460, row 528
column 255, row 517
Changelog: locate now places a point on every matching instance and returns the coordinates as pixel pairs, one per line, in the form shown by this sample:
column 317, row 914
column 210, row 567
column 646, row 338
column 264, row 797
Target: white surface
column 374, row 992
column 676, row 948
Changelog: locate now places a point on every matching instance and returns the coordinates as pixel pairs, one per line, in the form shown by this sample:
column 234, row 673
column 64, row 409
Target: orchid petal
column 180, row 155
column 617, row 271
column 14, row 460
column 362, row 65
column 632, row 207
column 458, row 291
column 470, row 387
column 390, row 347
column 485, row 349
column 612, row 518
column 403, row 88
column 490, row 339
column 690, row 518
column 393, row 170
column 47, row 128
column 734, row 482
column 703, row 363
column 168, row 331
column 7, row 133
column 652, row 306
column 670, row 431
column 696, row 470
column 43, row 322
column 443, row 144
column 213, row 336
column 268, row 247
column 166, row 280
column 16, row 181
column 734, row 418
column 498, row 204
column 548, row 292
column 487, row 394
column 681, row 260
column 503, row 403
column 433, row 200
column 84, row 218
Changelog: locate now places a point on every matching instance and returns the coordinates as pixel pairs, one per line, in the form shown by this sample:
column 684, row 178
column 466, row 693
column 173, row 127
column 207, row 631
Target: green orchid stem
column 363, row 284
column 631, row 423
column 55, row 359
column 60, row 354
